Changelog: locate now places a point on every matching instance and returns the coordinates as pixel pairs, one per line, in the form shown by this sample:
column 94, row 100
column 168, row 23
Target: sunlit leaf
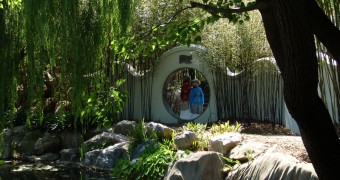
column 119, row 82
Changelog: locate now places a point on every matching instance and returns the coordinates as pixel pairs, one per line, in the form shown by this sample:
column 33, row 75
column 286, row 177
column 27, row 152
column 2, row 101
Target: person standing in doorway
column 185, row 93
column 196, row 99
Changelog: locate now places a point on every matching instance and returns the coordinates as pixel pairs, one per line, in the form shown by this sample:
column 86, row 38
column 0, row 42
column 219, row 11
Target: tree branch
column 210, row 9
column 166, row 23
column 215, row 10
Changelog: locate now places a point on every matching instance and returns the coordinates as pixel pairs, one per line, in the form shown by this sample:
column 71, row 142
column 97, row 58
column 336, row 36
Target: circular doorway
column 180, row 94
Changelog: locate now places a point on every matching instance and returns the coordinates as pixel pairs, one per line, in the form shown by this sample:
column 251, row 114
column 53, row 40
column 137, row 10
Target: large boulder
column 161, row 130
column 7, row 138
column 19, row 131
column 70, row 139
column 69, row 155
column 18, row 134
column 91, row 157
column 125, row 127
column 106, row 159
column 203, row 165
column 48, row 143
column 274, row 166
column 26, row 146
column 141, row 148
column 103, row 140
column 247, row 151
column 225, row 142
column 94, row 132
column 184, row 140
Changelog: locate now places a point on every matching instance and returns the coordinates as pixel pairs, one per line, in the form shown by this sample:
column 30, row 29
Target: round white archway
column 173, row 60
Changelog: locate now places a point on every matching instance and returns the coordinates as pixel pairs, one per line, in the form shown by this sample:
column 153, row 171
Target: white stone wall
column 153, row 107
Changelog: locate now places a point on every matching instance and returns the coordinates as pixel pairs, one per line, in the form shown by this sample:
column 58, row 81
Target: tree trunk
column 292, row 42
column 324, row 29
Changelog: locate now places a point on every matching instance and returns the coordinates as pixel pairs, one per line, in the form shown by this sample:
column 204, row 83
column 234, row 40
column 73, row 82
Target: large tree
column 290, row 27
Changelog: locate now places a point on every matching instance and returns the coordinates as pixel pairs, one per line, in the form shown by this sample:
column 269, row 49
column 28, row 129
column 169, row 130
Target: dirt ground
column 269, row 134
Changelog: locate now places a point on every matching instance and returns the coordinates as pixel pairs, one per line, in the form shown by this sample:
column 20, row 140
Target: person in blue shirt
column 196, row 98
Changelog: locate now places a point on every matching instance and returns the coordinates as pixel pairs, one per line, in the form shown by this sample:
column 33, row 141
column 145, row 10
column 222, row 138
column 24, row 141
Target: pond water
column 20, row 170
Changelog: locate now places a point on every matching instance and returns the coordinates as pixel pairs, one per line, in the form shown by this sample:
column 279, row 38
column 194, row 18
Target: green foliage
column 231, row 4
column 202, row 135
column 236, row 46
column 82, row 151
column 2, row 142
column 169, row 143
column 195, row 145
column 68, row 39
column 152, row 164
column 230, row 163
column 249, row 155
column 12, row 3
column 103, row 105
column 139, row 136
column 123, row 169
column 159, row 39
column 196, row 127
column 225, row 127
column 82, row 44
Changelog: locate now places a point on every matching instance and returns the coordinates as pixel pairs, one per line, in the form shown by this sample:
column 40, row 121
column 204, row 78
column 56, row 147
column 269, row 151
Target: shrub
column 152, row 164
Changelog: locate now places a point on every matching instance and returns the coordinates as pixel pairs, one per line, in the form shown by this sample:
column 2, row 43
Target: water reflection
column 11, row 170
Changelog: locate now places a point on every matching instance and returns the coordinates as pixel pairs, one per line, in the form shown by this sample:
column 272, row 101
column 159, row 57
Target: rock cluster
column 105, row 148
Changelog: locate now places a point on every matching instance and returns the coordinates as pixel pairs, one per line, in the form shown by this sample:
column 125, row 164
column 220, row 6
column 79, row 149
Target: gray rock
column 107, row 158
column 19, row 130
column 7, row 137
column 32, row 136
column 18, row 135
column 103, row 140
column 70, row 155
column 185, row 139
column 71, row 140
column 26, row 146
column 48, row 143
column 93, row 132
column 274, row 166
column 161, row 130
column 223, row 143
column 125, row 127
column 90, row 158
column 141, row 148
column 204, row 165
column 247, row 150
